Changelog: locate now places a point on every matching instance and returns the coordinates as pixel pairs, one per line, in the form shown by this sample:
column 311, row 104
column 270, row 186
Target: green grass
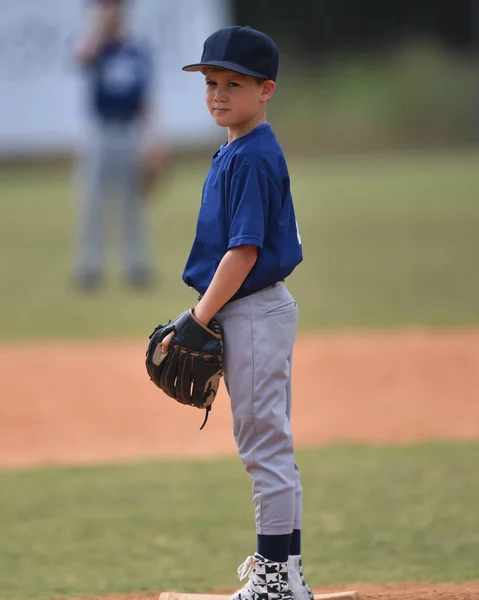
column 388, row 241
column 370, row 515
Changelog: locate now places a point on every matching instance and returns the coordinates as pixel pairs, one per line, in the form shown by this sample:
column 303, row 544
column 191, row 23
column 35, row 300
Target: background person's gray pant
column 259, row 334
column 109, row 187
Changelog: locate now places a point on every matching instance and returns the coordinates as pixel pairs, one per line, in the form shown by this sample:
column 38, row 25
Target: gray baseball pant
column 259, row 335
column 109, row 184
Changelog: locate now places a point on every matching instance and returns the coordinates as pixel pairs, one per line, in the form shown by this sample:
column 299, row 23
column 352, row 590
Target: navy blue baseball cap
column 241, row 49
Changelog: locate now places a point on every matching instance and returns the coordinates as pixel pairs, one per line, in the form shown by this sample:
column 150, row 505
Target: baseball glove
column 191, row 370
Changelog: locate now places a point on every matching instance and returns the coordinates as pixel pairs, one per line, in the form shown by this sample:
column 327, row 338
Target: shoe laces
column 256, row 583
column 246, row 568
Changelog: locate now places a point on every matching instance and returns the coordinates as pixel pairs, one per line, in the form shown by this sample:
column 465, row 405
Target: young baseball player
column 118, row 71
column 247, row 242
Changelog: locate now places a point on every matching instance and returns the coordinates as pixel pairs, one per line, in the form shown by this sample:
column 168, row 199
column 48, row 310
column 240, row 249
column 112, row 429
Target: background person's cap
column 240, row 49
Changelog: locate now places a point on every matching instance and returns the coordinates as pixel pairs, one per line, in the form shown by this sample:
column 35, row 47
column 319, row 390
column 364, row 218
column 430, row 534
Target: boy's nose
column 220, row 95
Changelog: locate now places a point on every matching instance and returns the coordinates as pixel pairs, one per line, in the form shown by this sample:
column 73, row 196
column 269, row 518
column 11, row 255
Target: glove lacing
column 208, row 408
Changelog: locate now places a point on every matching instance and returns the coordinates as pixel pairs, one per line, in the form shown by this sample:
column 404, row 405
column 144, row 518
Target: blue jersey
column 246, row 200
column 119, row 81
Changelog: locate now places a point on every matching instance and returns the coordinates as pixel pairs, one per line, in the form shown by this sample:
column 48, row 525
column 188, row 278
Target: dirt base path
column 81, row 403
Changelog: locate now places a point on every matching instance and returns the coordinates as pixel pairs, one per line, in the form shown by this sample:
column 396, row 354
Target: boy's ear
column 268, row 90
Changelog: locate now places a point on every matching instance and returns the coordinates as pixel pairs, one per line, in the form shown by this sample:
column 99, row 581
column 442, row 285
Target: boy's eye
column 210, row 83
column 233, row 84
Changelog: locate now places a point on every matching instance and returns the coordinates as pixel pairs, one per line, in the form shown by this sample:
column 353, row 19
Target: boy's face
column 235, row 99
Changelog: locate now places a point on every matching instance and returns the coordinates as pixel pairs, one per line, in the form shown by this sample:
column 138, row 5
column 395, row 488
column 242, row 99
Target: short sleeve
column 251, row 200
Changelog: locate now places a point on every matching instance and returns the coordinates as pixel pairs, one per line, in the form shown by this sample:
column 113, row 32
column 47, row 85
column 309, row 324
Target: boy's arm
column 230, row 274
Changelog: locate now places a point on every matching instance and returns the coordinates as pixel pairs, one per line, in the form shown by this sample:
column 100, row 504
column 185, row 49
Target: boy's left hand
column 191, row 371
column 165, row 344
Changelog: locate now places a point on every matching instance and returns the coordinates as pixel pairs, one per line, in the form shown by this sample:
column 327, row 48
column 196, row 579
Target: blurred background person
column 118, row 161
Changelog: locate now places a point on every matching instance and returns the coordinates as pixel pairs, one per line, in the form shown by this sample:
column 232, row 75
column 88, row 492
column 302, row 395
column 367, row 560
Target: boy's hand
column 165, row 344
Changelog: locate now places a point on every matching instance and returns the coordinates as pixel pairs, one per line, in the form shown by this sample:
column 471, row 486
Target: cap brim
column 228, row 66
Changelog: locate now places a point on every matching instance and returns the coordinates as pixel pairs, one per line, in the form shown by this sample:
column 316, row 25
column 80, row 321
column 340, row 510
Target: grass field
column 371, row 514
column 387, row 240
